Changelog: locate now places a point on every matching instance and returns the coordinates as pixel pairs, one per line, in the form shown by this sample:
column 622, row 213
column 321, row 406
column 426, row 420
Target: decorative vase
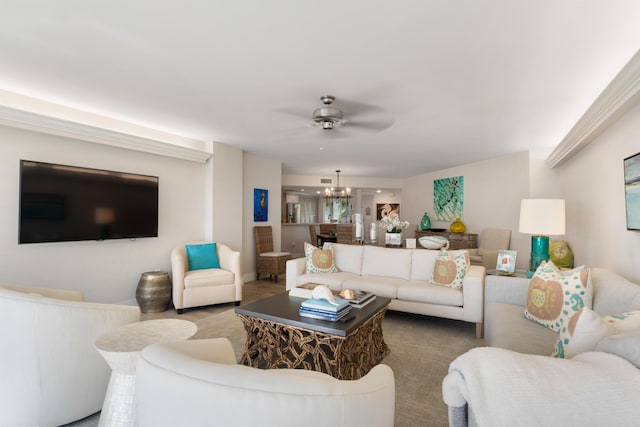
column 393, row 239
column 425, row 224
column 457, row 226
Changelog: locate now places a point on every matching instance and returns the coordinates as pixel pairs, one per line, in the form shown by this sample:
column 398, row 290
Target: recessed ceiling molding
column 617, row 98
column 115, row 133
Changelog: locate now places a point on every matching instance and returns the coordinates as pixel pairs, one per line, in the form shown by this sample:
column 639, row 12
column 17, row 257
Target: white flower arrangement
column 392, row 222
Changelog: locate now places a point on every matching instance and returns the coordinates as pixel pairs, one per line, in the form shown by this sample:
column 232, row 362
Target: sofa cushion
column 348, row 257
column 554, row 297
column 506, row 327
column 319, row 260
column 387, row 262
column 422, row 262
column 613, row 293
column 379, row 285
column 422, row 291
column 208, row 277
column 450, row 269
column 202, row 256
column 332, row 280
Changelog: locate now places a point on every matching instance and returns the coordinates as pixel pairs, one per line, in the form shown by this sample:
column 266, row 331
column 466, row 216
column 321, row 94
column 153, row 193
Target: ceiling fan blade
column 369, row 125
column 295, row 113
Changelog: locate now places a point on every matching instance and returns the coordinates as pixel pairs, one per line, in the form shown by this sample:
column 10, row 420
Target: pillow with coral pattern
column 319, row 260
column 450, row 269
column 586, row 329
column 554, row 296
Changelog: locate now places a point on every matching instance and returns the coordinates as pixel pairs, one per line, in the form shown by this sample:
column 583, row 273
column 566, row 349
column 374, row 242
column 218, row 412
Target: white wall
column 260, row 172
column 492, row 193
column 106, row 271
column 227, row 202
column 593, row 183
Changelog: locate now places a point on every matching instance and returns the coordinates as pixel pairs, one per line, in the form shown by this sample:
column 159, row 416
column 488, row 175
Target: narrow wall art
column 260, row 205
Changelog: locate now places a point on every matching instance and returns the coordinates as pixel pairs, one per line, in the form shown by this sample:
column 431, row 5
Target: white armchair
column 198, row 383
column 209, row 286
column 51, row 372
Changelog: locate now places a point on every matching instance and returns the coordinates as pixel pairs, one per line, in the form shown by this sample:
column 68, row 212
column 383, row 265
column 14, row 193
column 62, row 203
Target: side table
column 517, row 273
column 121, row 348
column 154, row 291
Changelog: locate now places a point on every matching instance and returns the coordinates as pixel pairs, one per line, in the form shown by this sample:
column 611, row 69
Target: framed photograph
column 260, row 205
column 506, row 263
column 632, row 191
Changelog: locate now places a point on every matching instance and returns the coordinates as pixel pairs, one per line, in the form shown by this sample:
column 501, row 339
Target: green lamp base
column 539, row 253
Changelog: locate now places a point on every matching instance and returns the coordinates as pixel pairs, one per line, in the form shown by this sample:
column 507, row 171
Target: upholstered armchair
column 195, row 288
column 491, row 241
column 198, row 383
column 51, row 372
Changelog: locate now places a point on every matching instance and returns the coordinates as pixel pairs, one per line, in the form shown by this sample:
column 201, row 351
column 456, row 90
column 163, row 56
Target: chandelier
column 337, row 193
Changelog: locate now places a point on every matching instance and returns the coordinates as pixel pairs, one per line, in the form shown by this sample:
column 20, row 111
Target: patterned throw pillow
column 555, row 296
column 319, row 260
column 586, row 329
column 450, row 269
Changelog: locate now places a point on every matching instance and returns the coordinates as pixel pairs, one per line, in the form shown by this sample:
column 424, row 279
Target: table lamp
column 541, row 218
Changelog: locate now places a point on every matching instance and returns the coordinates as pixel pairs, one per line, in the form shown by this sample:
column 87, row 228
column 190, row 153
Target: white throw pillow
column 624, row 344
column 586, row 329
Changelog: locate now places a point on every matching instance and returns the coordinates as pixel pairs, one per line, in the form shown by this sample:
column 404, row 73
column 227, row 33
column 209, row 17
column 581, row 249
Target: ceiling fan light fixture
column 327, row 117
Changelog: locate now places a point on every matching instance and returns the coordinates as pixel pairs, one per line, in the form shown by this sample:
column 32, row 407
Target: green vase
column 457, row 226
column 425, row 224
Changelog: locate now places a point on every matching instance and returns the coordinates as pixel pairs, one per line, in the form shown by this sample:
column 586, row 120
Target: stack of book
column 357, row 299
column 324, row 310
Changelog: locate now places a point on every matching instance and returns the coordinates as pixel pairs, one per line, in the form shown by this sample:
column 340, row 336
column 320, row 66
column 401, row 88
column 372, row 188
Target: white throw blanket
column 505, row 388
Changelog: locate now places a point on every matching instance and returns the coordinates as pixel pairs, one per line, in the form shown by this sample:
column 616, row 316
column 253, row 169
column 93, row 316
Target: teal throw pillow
column 202, row 256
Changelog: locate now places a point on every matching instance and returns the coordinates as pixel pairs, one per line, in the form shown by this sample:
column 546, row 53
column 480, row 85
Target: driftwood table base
column 276, row 345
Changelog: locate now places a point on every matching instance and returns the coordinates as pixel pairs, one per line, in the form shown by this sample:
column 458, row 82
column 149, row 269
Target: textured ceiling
column 424, row 85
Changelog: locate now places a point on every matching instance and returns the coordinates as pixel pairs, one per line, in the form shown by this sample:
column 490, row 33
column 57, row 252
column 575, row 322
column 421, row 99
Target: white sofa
column 209, row 286
column 198, row 383
column 402, row 275
column 51, row 372
column 591, row 388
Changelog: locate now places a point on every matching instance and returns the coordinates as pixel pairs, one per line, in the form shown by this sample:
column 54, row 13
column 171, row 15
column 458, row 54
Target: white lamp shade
column 542, row 217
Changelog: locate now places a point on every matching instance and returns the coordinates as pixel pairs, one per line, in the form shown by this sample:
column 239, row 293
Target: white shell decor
column 433, row 242
column 323, row 292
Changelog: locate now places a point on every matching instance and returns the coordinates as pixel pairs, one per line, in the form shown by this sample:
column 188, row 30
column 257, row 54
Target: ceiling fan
column 327, row 117
column 351, row 117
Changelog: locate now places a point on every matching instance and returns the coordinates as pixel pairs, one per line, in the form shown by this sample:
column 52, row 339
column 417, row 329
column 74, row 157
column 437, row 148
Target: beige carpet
column 421, row 349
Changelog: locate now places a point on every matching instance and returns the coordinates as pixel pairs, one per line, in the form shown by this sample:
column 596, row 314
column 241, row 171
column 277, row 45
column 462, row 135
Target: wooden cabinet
column 456, row 240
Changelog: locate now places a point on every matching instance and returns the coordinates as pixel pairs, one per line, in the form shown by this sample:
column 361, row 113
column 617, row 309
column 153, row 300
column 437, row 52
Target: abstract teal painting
column 448, row 198
column 632, row 191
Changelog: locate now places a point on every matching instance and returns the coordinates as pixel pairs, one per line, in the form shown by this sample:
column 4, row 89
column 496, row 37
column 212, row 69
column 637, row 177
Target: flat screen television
column 61, row 203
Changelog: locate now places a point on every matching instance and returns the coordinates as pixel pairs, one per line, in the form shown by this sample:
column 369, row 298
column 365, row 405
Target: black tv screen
column 61, row 203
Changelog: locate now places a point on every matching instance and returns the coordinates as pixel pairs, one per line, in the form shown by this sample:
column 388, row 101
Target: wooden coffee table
column 277, row 337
